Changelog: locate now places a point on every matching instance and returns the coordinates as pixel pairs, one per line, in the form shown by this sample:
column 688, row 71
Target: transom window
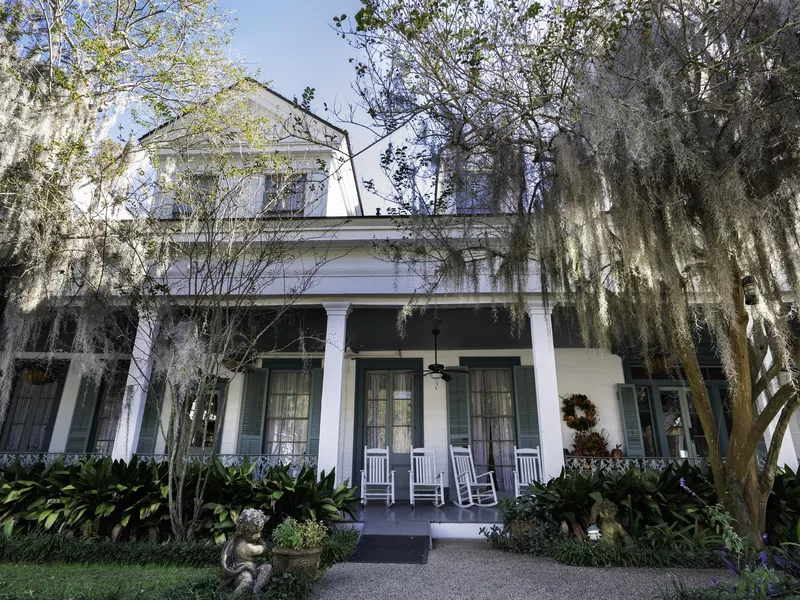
column 493, row 423
column 287, row 413
column 284, row 194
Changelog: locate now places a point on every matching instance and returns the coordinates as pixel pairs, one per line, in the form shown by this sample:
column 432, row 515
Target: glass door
column 685, row 437
column 389, row 404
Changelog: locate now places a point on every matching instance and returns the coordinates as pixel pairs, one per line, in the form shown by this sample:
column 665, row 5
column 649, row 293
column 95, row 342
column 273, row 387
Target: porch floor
column 426, row 512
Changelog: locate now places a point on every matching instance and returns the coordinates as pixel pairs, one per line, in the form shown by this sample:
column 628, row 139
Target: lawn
column 98, row 582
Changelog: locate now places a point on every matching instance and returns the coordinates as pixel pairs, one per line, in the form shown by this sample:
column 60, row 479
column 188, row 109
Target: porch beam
column 136, row 387
column 333, row 387
column 547, row 402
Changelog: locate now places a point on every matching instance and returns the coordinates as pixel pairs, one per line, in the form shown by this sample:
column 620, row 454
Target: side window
column 204, row 415
column 109, row 409
column 284, row 194
column 647, row 420
column 196, row 189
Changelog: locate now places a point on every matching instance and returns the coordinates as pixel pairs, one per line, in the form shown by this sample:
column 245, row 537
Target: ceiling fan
column 437, row 370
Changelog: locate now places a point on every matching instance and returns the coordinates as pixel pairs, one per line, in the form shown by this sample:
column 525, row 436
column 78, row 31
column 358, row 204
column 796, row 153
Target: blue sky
column 292, row 45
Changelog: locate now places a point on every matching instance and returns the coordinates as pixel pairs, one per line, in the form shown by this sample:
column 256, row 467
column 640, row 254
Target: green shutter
column 315, row 415
column 150, row 421
column 254, row 404
column 458, row 409
column 631, row 425
column 83, row 416
column 527, row 411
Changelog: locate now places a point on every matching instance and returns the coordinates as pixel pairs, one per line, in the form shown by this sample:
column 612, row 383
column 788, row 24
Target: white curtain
column 493, row 423
column 287, row 415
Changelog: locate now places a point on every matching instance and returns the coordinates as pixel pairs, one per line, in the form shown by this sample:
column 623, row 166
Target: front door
column 685, row 437
column 389, row 420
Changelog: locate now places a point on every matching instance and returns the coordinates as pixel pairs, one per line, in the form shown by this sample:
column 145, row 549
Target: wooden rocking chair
column 377, row 480
column 470, row 490
column 528, row 468
column 425, row 483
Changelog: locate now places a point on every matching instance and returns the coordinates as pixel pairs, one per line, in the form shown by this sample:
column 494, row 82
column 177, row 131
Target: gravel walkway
column 472, row 570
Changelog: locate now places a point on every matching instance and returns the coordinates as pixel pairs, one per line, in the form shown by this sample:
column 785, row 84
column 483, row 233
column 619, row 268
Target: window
column 198, row 188
column 493, row 423
column 28, row 422
column 646, row 419
column 204, row 416
column 473, row 193
column 287, row 413
column 284, row 194
column 109, row 408
column 389, row 399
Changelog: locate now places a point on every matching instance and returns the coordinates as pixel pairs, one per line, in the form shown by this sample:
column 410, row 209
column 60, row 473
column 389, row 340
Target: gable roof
column 294, row 105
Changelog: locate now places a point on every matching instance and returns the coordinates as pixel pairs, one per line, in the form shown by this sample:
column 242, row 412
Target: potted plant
column 298, row 546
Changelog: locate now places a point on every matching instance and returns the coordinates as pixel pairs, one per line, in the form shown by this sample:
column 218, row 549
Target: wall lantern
column 593, row 533
column 750, row 290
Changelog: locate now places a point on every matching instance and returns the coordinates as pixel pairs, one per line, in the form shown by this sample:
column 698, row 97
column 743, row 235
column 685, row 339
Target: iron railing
column 262, row 463
column 620, row 465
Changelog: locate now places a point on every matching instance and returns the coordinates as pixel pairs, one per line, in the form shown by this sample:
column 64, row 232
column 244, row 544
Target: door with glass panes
column 30, row 416
column 685, row 437
column 388, row 420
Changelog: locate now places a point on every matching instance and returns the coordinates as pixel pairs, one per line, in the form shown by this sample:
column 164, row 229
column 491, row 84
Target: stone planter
column 285, row 559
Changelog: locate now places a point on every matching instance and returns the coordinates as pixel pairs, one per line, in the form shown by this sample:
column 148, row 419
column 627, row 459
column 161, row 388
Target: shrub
column 112, row 499
column 296, row 536
column 339, row 546
column 599, row 554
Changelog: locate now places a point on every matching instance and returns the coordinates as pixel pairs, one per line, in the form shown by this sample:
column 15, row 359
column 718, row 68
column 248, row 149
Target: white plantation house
column 366, row 386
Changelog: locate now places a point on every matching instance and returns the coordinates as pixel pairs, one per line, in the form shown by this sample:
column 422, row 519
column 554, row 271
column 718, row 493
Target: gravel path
column 472, row 570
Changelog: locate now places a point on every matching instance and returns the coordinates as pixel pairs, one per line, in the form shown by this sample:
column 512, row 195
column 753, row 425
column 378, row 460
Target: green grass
column 98, row 582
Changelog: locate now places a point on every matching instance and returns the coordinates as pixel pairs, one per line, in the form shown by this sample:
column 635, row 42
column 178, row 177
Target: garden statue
column 239, row 567
column 606, row 511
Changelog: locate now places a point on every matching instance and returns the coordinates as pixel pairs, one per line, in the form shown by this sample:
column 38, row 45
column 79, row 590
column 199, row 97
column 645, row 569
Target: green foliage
column 296, row 536
column 288, row 534
column 305, row 498
column 112, row 499
column 96, row 582
column 65, row 548
column 783, row 507
column 643, row 499
column 339, row 546
column 595, row 554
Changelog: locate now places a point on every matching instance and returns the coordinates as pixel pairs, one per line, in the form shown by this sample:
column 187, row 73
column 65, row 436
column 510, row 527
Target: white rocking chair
column 528, row 468
column 377, row 481
column 425, row 483
column 470, row 490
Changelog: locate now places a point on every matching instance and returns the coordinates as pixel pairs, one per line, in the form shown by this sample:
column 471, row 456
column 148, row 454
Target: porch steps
column 400, row 542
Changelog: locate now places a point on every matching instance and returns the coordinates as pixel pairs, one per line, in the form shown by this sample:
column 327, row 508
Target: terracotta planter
column 285, row 559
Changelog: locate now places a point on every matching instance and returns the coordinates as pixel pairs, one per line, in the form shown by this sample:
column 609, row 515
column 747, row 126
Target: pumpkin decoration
column 571, row 404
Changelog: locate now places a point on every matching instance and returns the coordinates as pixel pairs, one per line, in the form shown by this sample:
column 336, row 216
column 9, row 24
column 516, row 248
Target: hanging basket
column 38, row 376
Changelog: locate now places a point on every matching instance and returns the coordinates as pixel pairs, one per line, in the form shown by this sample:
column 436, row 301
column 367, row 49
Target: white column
column 544, row 365
column 130, row 420
column 332, row 387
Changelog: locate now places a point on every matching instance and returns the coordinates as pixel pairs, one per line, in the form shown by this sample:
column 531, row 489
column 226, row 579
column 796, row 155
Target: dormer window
column 284, row 194
column 198, row 189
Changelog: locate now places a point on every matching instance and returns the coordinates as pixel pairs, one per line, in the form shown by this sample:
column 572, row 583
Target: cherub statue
column 611, row 531
column 238, row 566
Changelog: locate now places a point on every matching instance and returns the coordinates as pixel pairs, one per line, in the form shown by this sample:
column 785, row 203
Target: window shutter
column 632, row 427
column 316, row 413
column 458, row 409
column 83, row 416
column 150, row 420
column 253, row 405
column 527, row 411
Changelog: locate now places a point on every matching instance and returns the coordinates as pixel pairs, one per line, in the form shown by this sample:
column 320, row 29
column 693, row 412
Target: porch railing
column 262, row 462
column 620, row 465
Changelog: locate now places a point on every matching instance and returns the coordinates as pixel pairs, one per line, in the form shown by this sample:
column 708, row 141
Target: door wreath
column 569, row 406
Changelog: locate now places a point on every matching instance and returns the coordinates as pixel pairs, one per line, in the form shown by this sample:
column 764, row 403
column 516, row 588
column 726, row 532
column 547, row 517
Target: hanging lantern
column 37, row 376
column 750, row 290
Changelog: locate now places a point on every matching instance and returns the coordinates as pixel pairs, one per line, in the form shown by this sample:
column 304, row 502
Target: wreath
column 569, row 404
